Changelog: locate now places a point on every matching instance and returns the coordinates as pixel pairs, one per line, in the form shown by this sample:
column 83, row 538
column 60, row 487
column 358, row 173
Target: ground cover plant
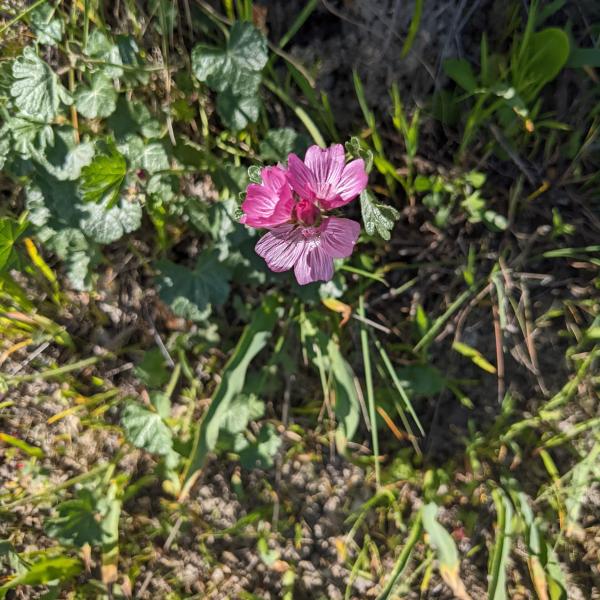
column 299, row 300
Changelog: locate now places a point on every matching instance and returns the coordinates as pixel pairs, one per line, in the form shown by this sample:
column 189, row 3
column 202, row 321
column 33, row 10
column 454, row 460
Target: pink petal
column 326, row 166
column 352, row 182
column 301, row 178
column 270, row 203
column 313, row 265
column 338, row 236
column 281, row 247
column 273, row 177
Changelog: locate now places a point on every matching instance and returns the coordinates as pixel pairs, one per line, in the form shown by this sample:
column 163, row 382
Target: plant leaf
column 28, row 136
column 190, row 293
column 102, row 179
column 259, row 455
column 154, row 158
column 98, row 100
column 152, row 371
column 548, row 52
column 278, row 143
column 76, row 523
column 99, row 46
column 48, row 28
column 45, row 570
column 237, row 111
column 347, row 405
column 378, row 218
column 10, row 232
column 499, row 557
column 447, row 553
column 106, row 225
column 236, row 67
column 146, row 430
column 36, row 90
column 253, row 340
column 460, row 71
column 241, row 411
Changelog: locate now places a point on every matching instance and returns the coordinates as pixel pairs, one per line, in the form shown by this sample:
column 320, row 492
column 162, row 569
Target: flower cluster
column 293, row 203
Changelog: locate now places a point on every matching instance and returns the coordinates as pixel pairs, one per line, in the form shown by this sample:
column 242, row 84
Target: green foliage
column 354, row 148
column 535, row 59
column 10, row 232
column 234, row 72
column 146, row 429
column 253, row 340
column 377, row 218
column 242, row 410
column 279, row 143
column 105, row 224
column 445, row 548
column 98, row 100
column 36, row 90
column 100, row 47
column 46, row 569
column 259, row 453
column 443, row 195
column 237, row 110
column 47, row 26
column 77, row 522
column 461, row 72
column 152, row 131
column 102, row 179
column 192, row 292
column 237, row 66
column 540, row 59
column 499, row 558
column 152, row 371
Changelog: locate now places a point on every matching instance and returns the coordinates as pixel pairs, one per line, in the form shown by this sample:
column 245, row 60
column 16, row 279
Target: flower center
column 306, row 212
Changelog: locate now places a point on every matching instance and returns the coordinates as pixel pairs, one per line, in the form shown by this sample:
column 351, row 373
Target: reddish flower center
column 306, row 212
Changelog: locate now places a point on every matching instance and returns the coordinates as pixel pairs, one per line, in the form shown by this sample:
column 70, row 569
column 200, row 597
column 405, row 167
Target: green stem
column 364, row 339
column 57, row 488
column 21, row 15
column 413, row 538
column 439, row 323
column 298, row 111
column 76, row 366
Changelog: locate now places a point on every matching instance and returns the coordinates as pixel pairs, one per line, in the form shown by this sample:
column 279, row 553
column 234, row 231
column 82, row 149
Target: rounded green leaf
column 237, row 111
column 237, row 66
column 99, row 100
column 548, row 51
column 145, row 429
column 48, row 28
column 36, row 90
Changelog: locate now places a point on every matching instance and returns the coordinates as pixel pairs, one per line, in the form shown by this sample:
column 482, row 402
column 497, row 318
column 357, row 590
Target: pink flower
column 309, row 250
column 291, row 203
column 270, row 203
column 324, row 179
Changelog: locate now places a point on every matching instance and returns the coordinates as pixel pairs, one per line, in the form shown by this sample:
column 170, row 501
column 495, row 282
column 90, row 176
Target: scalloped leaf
column 36, row 89
column 146, row 430
column 101, row 180
column 378, row 218
column 98, row 100
column 237, row 66
column 190, row 293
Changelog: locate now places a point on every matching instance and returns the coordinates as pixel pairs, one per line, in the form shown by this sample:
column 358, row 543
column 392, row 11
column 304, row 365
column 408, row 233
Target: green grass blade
column 298, row 111
column 413, row 28
column 364, row 339
column 253, row 340
column 501, row 552
column 398, row 384
column 440, row 321
column 403, row 558
column 302, row 17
